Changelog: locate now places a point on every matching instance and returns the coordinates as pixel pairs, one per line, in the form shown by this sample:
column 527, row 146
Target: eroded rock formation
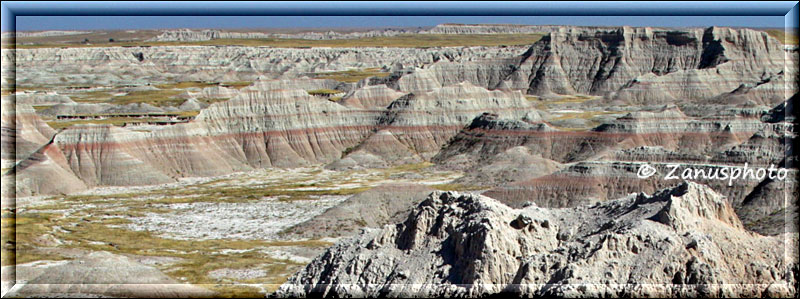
column 681, row 241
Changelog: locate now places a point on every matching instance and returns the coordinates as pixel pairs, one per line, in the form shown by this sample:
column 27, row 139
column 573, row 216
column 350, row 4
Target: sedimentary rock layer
column 23, row 131
column 633, row 65
column 603, row 163
column 441, row 113
column 416, row 126
column 670, row 134
column 281, row 128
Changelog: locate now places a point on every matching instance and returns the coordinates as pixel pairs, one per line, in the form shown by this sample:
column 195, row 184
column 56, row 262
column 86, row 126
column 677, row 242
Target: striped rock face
column 266, row 126
column 603, row 163
column 417, row 125
column 427, row 120
column 668, row 129
column 280, row 128
column 634, row 65
column 23, row 131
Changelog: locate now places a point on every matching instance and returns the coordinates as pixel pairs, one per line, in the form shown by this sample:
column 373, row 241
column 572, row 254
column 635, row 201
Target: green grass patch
column 571, row 99
column 583, row 115
column 236, row 84
column 249, row 193
column 24, row 229
column 186, row 84
column 237, row 291
column 324, row 92
column 412, row 167
column 351, row 76
column 114, row 121
column 209, row 192
column 783, row 36
column 38, row 108
column 93, row 230
column 158, row 98
column 455, row 187
column 544, row 104
column 92, row 97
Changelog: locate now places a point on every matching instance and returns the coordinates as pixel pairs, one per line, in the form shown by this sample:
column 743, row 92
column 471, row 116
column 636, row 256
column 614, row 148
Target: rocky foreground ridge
column 683, row 241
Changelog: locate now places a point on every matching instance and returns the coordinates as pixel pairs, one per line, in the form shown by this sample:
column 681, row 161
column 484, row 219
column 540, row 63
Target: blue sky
column 84, row 15
column 159, row 22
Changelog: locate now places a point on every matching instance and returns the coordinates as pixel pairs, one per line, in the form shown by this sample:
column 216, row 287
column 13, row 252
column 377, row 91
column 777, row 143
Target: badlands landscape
column 453, row 160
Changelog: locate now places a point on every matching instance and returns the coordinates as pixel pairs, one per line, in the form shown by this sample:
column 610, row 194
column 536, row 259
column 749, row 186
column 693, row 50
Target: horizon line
column 333, row 28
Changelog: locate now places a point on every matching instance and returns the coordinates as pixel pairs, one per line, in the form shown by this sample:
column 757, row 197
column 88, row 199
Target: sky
column 104, row 15
column 29, row 23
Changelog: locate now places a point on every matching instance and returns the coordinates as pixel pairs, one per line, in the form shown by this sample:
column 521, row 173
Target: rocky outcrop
column 286, row 128
column 681, row 241
column 416, row 126
column 643, row 64
column 493, row 150
column 425, row 121
column 679, row 137
column 603, row 162
column 267, row 126
column 46, row 171
column 633, row 65
column 771, row 207
column 487, row 73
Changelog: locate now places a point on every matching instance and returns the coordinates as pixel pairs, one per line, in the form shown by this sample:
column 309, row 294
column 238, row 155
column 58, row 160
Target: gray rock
column 455, row 244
